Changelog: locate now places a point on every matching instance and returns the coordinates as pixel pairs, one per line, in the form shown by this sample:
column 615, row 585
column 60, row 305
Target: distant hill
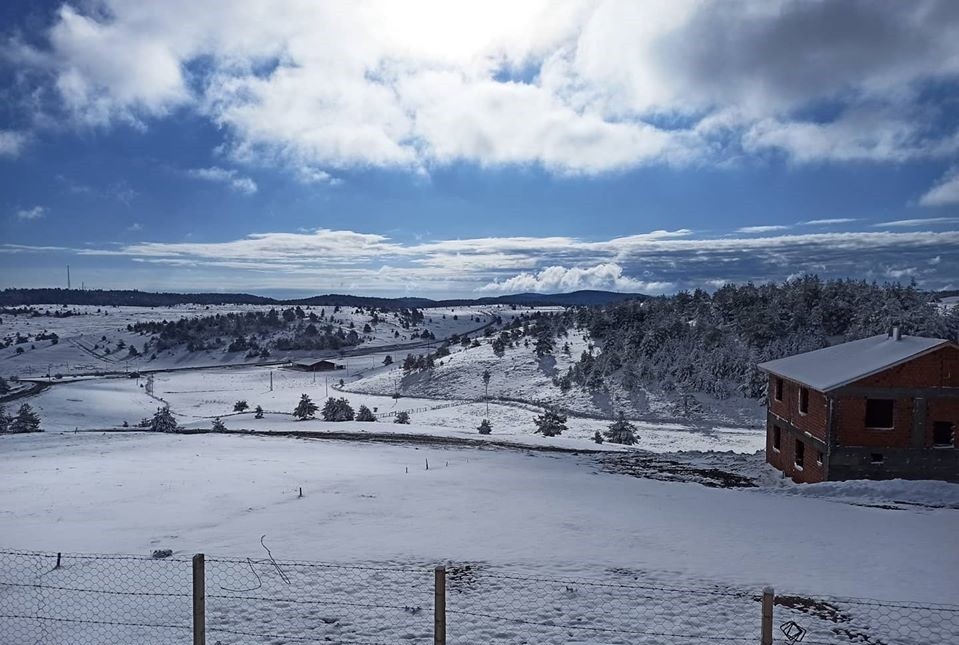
column 135, row 298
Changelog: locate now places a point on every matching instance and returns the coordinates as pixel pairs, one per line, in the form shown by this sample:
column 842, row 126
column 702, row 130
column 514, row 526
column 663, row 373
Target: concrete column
column 918, row 423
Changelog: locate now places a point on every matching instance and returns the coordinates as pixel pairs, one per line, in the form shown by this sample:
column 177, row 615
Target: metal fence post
column 199, row 600
column 439, row 606
column 767, row 625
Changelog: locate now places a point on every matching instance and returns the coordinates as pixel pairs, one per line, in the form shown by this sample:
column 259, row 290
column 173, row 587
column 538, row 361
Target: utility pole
column 271, row 380
column 68, row 277
column 327, row 379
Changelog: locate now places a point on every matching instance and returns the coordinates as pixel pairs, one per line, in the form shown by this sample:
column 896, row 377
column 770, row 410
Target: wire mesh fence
column 833, row 620
column 48, row 598
column 265, row 601
column 51, row 599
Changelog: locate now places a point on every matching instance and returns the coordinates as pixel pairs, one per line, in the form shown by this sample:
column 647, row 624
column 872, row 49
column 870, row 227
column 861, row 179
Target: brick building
column 877, row 408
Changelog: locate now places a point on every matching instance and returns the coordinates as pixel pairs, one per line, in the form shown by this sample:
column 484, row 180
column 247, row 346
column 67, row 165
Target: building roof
column 313, row 361
column 832, row 367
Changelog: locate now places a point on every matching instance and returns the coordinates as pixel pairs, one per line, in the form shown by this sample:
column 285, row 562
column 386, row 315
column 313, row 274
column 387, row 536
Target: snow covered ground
column 197, row 396
column 131, row 493
column 499, row 512
column 82, row 348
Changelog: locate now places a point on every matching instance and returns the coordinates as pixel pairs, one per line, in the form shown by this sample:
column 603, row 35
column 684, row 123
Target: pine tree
column 402, row 417
column 4, row 420
column 551, row 423
column 337, row 410
column 598, row 437
column 305, row 409
column 26, row 420
column 364, row 414
column 4, row 386
column 240, row 406
column 163, row 421
column 218, row 425
column 621, row 431
column 485, row 427
column 258, row 412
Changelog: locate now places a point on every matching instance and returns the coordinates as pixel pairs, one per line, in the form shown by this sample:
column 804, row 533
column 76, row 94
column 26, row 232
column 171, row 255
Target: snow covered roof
column 831, row 367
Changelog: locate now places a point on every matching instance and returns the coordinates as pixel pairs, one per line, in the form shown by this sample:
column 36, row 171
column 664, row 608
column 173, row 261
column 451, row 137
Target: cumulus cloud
column 28, row 214
column 945, row 192
column 230, row 177
column 582, row 86
column 558, row 279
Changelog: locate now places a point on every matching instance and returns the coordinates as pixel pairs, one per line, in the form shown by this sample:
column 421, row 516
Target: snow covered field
column 499, row 511
column 131, row 493
column 197, row 396
column 82, row 348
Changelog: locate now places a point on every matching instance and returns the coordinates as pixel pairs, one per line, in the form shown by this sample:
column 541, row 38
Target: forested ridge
column 700, row 342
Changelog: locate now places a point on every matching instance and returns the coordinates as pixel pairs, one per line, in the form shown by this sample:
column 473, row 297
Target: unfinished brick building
column 877, row 408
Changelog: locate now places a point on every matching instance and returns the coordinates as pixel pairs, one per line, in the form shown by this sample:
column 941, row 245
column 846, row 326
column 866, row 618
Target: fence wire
column 95, row 599
column 488, row 604
column 834, row 620
column 265, row 601
column 87, row 599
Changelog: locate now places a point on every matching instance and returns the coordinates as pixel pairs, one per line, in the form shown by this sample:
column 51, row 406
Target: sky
column 460, row 149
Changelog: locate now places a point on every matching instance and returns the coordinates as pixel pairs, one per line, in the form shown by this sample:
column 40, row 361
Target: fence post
column 199, row 600
column 439, row 606
column 767, row 624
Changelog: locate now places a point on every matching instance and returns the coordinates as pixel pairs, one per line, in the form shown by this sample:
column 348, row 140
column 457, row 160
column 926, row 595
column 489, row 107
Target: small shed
column 316, row 365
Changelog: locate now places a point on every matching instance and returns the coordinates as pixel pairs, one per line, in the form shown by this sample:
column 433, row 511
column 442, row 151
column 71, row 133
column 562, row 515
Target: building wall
column 906, row 450
column 934, row 370
column 785, row 458
column 814, row 422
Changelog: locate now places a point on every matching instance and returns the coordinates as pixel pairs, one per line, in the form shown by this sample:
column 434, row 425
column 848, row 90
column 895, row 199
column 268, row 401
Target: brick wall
column 814, row 421
column 936, row 369
column 784, row 459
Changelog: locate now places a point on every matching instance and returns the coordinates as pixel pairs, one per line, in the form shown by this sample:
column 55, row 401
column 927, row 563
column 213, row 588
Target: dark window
column 777, row 437
column 804, row 400
column 942, row 433
column 779, row 389
column 879, row 413
column 876, row 457
column 800, row 453
column 819, row 457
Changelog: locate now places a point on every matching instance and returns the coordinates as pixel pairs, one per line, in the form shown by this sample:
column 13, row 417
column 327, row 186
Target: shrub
column 337, row 410
column 163, row 421
column 485, row 427
column 402, row 417
column 365, row 414
column 240, row 406
column 551, row 423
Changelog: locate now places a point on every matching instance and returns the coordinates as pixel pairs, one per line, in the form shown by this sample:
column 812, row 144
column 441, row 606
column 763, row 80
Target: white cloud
column 580, row 86
column 229, row 177
column 767, row 228
column 647, row 262
column 135, row 226
column 11, row 143
column 922, row 221
column 826, row 222
column 945, row 192
column 553, row 279
column 27, row 214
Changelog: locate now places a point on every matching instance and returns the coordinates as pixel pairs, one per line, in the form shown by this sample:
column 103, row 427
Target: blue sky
column 450, row 150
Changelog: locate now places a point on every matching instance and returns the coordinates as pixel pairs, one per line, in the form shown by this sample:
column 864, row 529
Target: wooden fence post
column 766, row 637
column 439, row 606
column 199, row 600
